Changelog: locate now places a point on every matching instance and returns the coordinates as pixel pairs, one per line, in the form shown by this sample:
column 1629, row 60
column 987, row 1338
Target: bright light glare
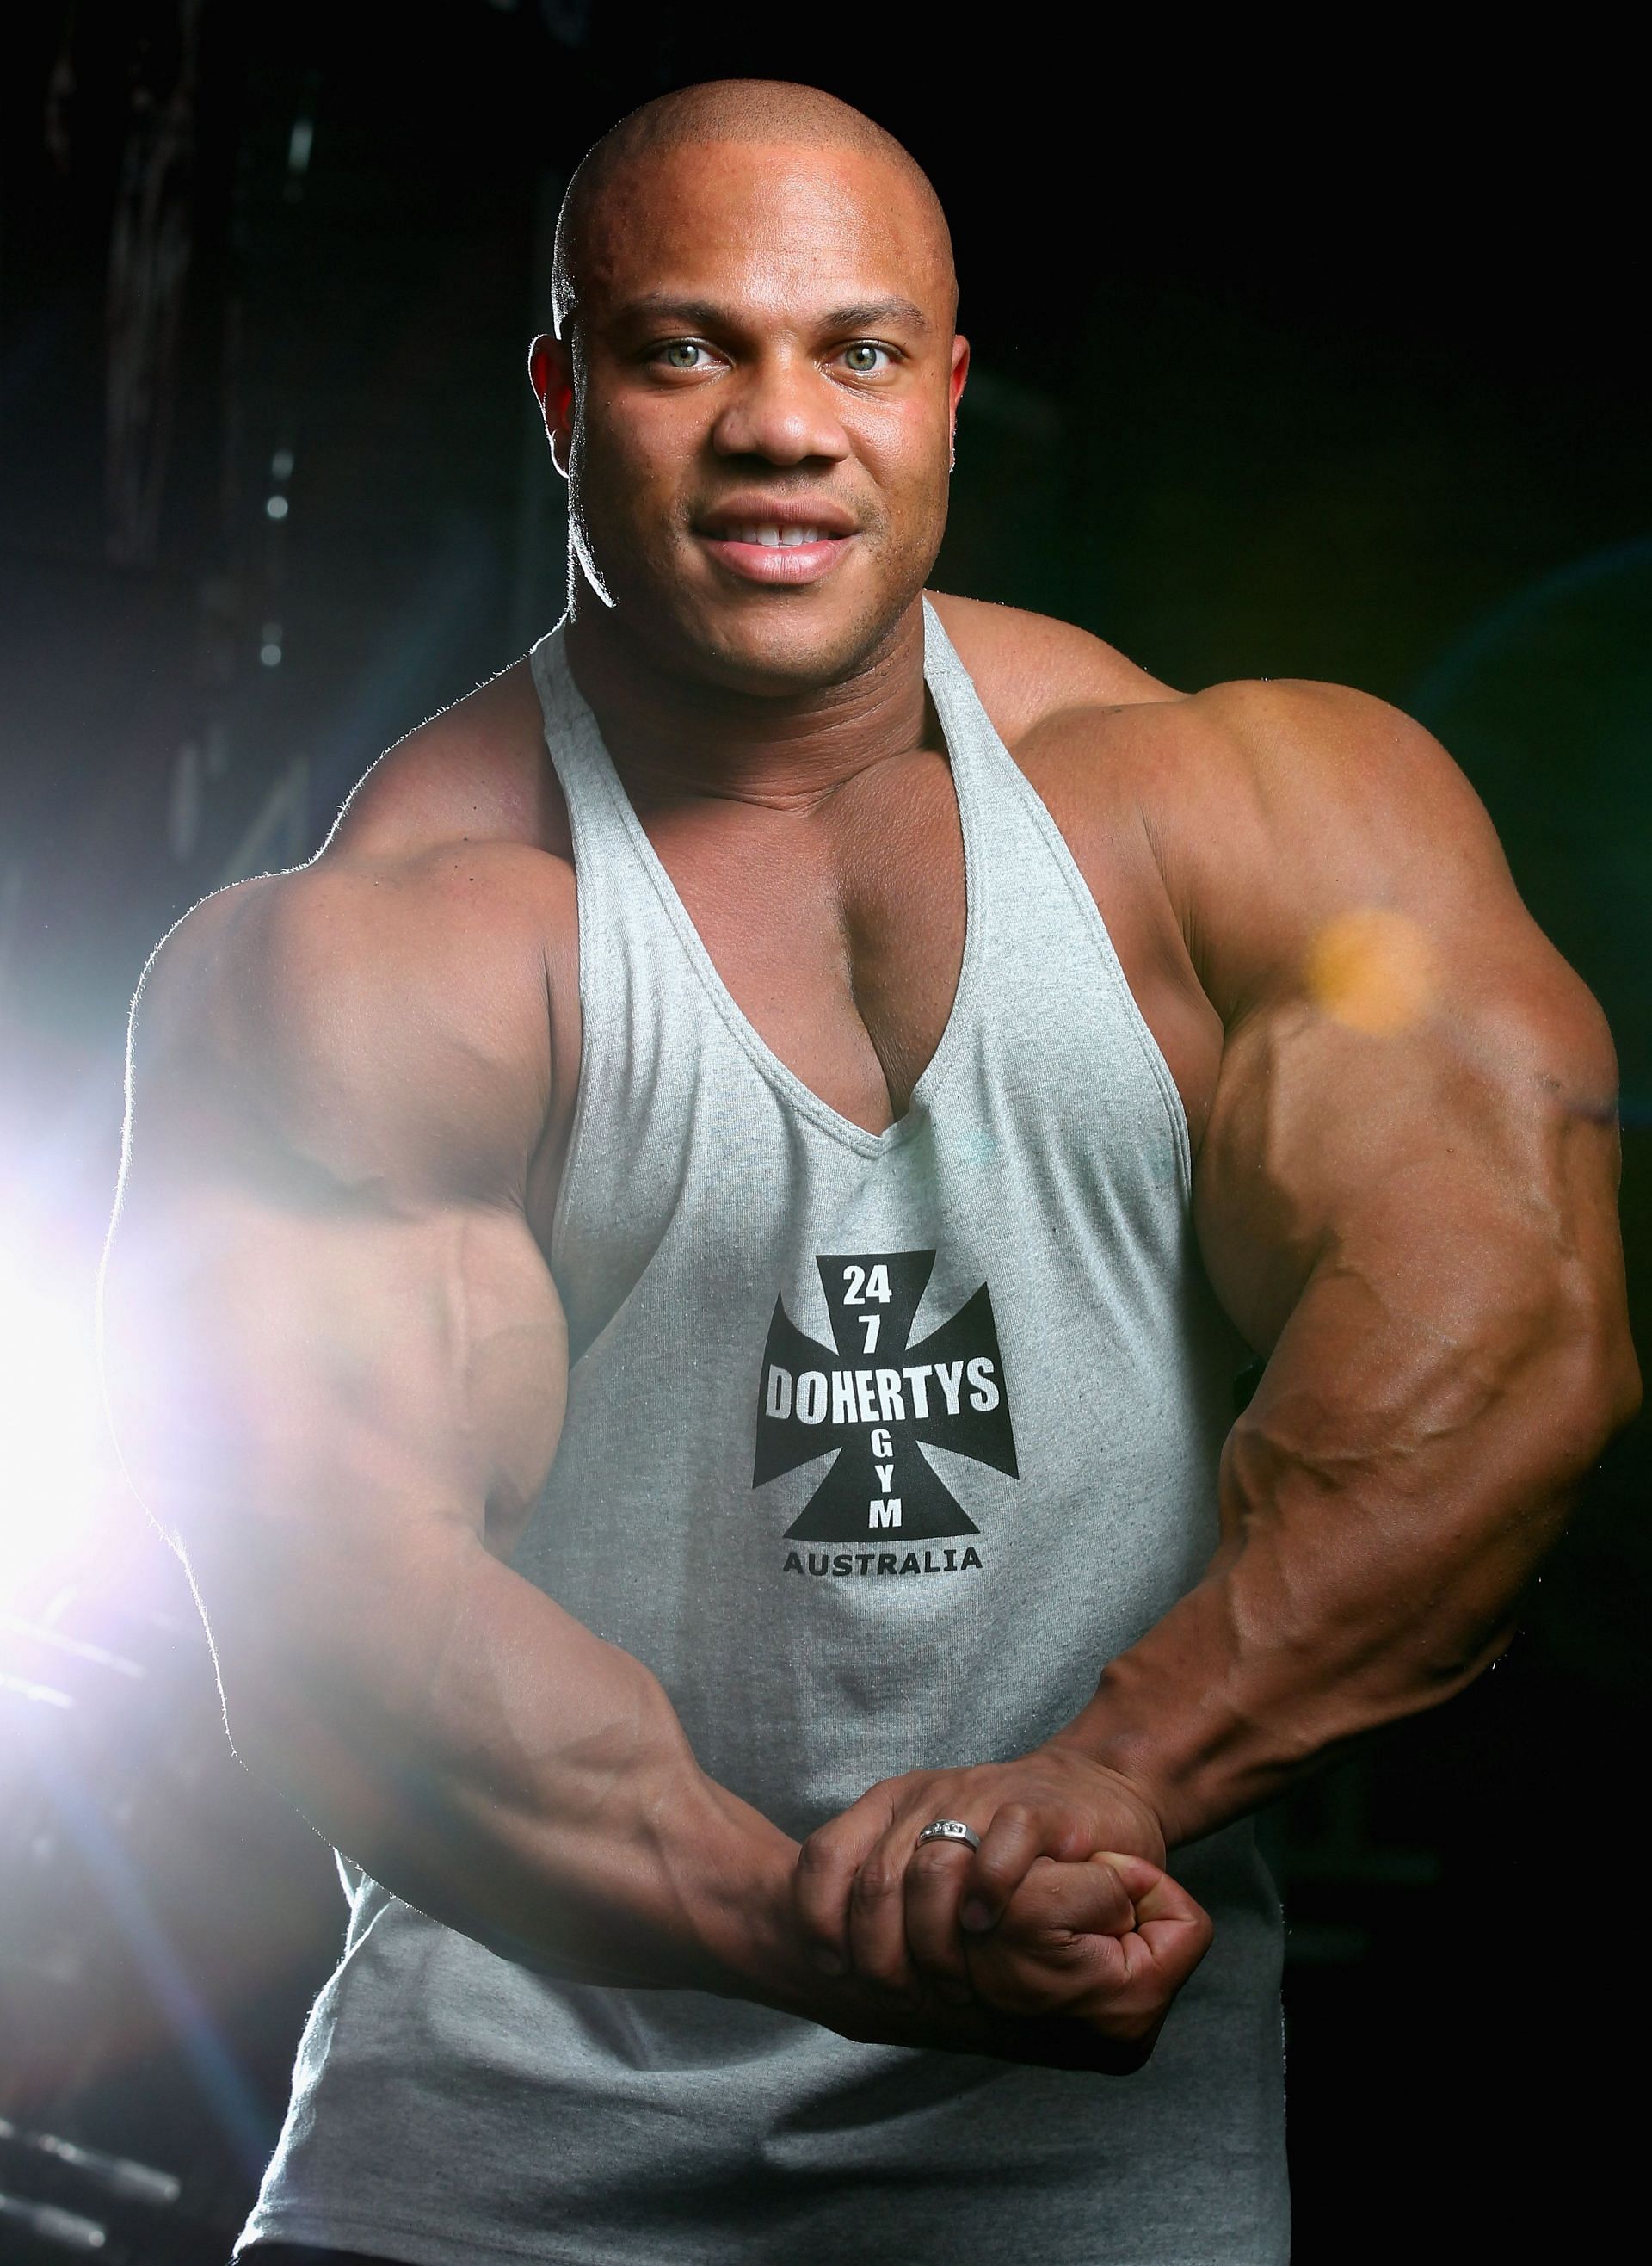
column 53, row 1456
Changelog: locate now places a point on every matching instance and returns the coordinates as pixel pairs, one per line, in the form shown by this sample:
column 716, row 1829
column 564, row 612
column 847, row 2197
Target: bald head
column 753, row 111
column 752, row 386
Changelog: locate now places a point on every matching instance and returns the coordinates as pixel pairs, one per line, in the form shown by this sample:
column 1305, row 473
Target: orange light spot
column 1373, row 971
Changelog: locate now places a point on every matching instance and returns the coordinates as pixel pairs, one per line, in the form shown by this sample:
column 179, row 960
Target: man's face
column 756, row 419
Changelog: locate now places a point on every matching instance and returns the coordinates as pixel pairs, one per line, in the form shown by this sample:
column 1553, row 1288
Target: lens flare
column 53, row 1459
column 1372, row 969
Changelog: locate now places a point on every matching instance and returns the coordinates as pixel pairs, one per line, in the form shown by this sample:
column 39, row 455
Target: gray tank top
column 878, row 1447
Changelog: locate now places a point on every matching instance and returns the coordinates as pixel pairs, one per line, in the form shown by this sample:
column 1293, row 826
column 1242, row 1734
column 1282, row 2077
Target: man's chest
column 839, row 934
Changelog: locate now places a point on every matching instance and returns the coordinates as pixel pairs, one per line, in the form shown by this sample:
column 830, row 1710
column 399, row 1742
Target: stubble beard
column 764, row 647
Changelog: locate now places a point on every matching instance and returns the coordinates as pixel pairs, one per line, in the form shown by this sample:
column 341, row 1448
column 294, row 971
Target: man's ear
column 955, row 386
column 551, row 369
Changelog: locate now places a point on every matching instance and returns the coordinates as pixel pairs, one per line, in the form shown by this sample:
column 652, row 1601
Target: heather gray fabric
column 877, row 1448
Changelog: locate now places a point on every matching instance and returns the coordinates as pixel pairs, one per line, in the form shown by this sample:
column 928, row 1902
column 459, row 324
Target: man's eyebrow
column 878, row 310
column 665, row 306
column 707, row 315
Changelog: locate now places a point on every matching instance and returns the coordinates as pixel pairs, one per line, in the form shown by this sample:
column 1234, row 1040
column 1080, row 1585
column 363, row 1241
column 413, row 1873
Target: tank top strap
column 574, row 741
column 1006, row 831
column 965, row 725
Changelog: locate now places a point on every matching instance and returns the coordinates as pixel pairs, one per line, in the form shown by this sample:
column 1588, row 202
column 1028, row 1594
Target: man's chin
column 779, row 647
column 778, row 669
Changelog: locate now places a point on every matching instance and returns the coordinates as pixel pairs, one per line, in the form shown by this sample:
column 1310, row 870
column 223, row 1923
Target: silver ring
column 950, row 1829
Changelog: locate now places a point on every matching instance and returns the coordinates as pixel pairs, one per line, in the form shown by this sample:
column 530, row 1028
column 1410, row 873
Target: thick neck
column 673, row 736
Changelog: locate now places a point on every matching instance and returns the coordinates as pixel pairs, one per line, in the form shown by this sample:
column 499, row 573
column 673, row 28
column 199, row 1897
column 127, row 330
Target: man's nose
column 783, row 411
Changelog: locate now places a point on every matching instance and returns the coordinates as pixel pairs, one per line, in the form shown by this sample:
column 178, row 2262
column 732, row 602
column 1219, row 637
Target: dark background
column 1299, row 358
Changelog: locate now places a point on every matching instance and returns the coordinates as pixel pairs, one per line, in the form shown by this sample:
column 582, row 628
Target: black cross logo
column 876, row 1399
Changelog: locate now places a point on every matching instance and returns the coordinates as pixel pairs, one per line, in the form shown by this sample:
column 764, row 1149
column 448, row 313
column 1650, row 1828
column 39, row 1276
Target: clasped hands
column 1061, row 1939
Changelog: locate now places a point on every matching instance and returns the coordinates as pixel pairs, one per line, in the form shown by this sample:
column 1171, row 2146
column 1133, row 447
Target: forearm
column 529, row 1785
column 1384, row 1500
column 488, row 1759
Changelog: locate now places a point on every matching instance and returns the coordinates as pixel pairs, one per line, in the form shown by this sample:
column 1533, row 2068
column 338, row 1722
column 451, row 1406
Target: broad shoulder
column 1028, row 668
column 1288, row 823
column 478, row 772
column 1285, row 809
column 1296, row 737
column 1288, row 756
column 1324, row 853
column 380, row 1019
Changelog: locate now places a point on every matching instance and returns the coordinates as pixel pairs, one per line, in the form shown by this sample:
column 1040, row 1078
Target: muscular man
column 678, row 1289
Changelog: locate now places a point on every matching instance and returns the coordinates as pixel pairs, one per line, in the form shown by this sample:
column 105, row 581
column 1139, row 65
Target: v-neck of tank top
column 945, row 690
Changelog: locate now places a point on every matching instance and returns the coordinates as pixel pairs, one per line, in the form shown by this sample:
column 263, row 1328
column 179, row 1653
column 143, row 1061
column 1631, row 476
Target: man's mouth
column 799, row 546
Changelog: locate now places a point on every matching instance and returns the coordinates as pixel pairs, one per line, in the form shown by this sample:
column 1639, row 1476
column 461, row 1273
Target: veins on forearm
column 1386, row 1494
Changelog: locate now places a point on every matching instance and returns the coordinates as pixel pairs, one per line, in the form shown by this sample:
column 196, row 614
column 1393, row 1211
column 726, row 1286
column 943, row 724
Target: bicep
column 1416, row 1092
column 1434, row 1163
column 330, row 1358
column 1420, row 1232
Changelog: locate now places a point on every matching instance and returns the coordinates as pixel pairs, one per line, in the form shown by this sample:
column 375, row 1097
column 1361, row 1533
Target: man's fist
column 1078, row 1973
column 869, row 1902
column 1108, row 1942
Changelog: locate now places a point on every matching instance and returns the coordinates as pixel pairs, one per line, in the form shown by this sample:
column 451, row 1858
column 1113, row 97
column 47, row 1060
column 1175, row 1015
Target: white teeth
column 772, row 537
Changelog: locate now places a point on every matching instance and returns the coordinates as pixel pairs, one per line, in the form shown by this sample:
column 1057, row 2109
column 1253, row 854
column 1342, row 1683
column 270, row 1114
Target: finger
column 1172, row 1931
column 877, row 1920
column 1036, row 1961
column 1019, row 1833
column 935, row 1875
column 1089, row 1898
column 826, row 1865
column 1059, row 1946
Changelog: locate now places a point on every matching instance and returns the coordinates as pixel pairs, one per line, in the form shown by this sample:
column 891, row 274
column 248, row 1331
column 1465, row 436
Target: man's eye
column 682, row 354
column 863, row 357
